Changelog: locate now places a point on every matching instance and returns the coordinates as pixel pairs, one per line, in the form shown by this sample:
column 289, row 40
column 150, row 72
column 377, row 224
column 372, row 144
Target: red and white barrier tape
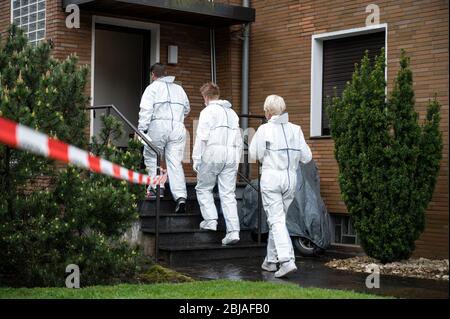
column 19, row 136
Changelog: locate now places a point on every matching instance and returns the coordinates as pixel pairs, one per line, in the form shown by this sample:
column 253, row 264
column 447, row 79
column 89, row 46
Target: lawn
column 215, row 289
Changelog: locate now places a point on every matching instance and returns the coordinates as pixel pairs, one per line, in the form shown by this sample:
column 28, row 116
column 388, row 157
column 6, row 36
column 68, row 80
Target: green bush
column 388, row 162
column 80, row 217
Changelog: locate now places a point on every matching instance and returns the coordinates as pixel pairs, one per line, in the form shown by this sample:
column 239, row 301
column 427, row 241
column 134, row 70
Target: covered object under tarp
column 307, row 216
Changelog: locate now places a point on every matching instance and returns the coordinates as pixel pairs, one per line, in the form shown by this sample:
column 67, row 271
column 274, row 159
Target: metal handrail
column 158, row 166
column 247, row 180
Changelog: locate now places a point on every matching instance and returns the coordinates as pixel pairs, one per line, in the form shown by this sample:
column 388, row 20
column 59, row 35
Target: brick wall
column 193, row 69
column 5, row 16
column 281, row 64
column 68, row 41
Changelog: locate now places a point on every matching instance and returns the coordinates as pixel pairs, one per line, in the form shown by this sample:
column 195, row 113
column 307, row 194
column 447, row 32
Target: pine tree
column 80, row 217
column 388, row 162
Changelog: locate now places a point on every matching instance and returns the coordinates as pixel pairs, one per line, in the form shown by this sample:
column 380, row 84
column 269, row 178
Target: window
column 334, row 56
column 342, row 231
column 30, row 16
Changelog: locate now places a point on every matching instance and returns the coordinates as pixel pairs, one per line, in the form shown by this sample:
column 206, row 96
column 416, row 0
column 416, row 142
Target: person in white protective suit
column 164, row 106
column 280, row 146
column 216, row 156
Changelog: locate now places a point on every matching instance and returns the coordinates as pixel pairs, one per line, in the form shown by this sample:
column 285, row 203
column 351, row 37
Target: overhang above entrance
column 193, row 12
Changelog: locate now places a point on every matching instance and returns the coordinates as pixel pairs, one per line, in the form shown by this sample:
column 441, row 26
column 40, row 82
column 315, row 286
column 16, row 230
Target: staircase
column 181, row 241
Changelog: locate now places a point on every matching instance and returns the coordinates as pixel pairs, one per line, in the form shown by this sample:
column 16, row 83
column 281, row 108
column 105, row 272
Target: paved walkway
column 313, row 273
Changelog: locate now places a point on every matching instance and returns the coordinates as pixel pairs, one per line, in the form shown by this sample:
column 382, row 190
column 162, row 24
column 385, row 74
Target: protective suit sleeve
column 187, row 106
column 257, row 146
column 306, row 154
column 202, row 135
column 240, row 141
column 146, row 108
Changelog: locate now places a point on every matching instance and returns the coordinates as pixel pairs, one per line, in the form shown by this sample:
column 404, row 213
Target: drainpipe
column 244, row 85
column 212, row 42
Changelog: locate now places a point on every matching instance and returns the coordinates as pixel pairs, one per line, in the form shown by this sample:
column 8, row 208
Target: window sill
column 324, row 137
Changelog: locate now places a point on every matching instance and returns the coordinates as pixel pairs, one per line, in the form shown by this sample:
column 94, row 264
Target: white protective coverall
column 164, row 106
column 216, row 156
column 279, row 145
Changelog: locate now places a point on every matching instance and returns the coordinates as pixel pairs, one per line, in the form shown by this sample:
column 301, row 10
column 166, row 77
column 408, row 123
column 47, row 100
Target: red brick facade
column 280, row 63
column 5, row 16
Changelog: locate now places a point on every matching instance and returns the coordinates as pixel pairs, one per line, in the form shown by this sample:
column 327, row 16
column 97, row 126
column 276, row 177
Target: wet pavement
column 313, row 273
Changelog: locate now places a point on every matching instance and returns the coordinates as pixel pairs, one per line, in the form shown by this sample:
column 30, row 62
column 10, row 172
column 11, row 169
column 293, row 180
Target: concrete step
column 191, row 193
column 181, row 241
column 147, row 207
column 173, row 238
column 171, row 221
column 186, row 254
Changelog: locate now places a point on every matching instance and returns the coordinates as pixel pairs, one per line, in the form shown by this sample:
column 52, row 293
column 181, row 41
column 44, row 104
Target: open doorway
column 122, row 57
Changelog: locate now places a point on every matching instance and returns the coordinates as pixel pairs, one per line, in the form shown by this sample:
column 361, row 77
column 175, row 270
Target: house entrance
column 122, row 72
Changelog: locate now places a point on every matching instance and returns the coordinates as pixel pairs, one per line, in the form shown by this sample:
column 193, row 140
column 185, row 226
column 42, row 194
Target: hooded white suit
column 164, row 106
column 216, row 156
column 279, row 145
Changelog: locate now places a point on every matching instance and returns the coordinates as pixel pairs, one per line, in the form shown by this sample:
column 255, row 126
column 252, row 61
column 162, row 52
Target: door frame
column 152, row 29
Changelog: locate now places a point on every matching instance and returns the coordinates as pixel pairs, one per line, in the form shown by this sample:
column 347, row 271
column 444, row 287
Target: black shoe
column 181, row 206
column 151, row 194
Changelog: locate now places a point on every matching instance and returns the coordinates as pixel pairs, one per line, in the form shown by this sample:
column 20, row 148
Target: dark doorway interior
column 121, row 72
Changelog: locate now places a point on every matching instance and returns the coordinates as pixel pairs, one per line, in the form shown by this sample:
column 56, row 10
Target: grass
column 215, row 289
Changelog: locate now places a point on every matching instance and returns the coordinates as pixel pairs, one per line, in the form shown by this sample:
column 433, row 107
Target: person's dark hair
column 158, row 69
column 210, row 89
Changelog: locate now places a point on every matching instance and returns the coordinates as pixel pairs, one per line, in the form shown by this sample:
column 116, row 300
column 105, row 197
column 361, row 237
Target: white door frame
column 154, row 48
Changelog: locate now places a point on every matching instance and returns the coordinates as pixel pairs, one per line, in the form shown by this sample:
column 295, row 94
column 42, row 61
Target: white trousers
column 170, row 138
column 278, row 189
column 225, row 175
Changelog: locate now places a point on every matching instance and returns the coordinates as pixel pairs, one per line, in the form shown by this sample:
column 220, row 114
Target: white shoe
column 285, row 269
column 231, row 238
column 268, row 266
column 209, row 224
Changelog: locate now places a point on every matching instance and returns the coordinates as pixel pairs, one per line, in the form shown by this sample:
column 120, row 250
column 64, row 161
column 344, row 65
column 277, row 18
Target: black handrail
column 247, row 180
column 252, row 116
column 158, row 165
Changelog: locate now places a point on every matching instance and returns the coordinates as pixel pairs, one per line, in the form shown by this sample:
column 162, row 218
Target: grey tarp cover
column 307, row 216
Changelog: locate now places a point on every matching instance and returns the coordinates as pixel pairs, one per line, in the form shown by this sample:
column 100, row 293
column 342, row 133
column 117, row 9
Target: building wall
column 5, row 16
column 193, row 69
column 281, row 64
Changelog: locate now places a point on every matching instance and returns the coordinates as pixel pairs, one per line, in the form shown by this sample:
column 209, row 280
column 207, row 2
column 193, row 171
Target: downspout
column 212, row 41
column 244, row 86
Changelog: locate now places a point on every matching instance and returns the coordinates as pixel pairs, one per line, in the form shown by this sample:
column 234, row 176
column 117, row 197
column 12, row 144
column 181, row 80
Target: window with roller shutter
column 339, row 58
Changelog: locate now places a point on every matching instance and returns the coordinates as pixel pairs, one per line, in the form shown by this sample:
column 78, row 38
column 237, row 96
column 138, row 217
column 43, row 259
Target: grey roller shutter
column 339, row 58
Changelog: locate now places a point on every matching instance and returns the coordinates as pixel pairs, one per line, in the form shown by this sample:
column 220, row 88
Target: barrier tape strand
column 22, row 137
